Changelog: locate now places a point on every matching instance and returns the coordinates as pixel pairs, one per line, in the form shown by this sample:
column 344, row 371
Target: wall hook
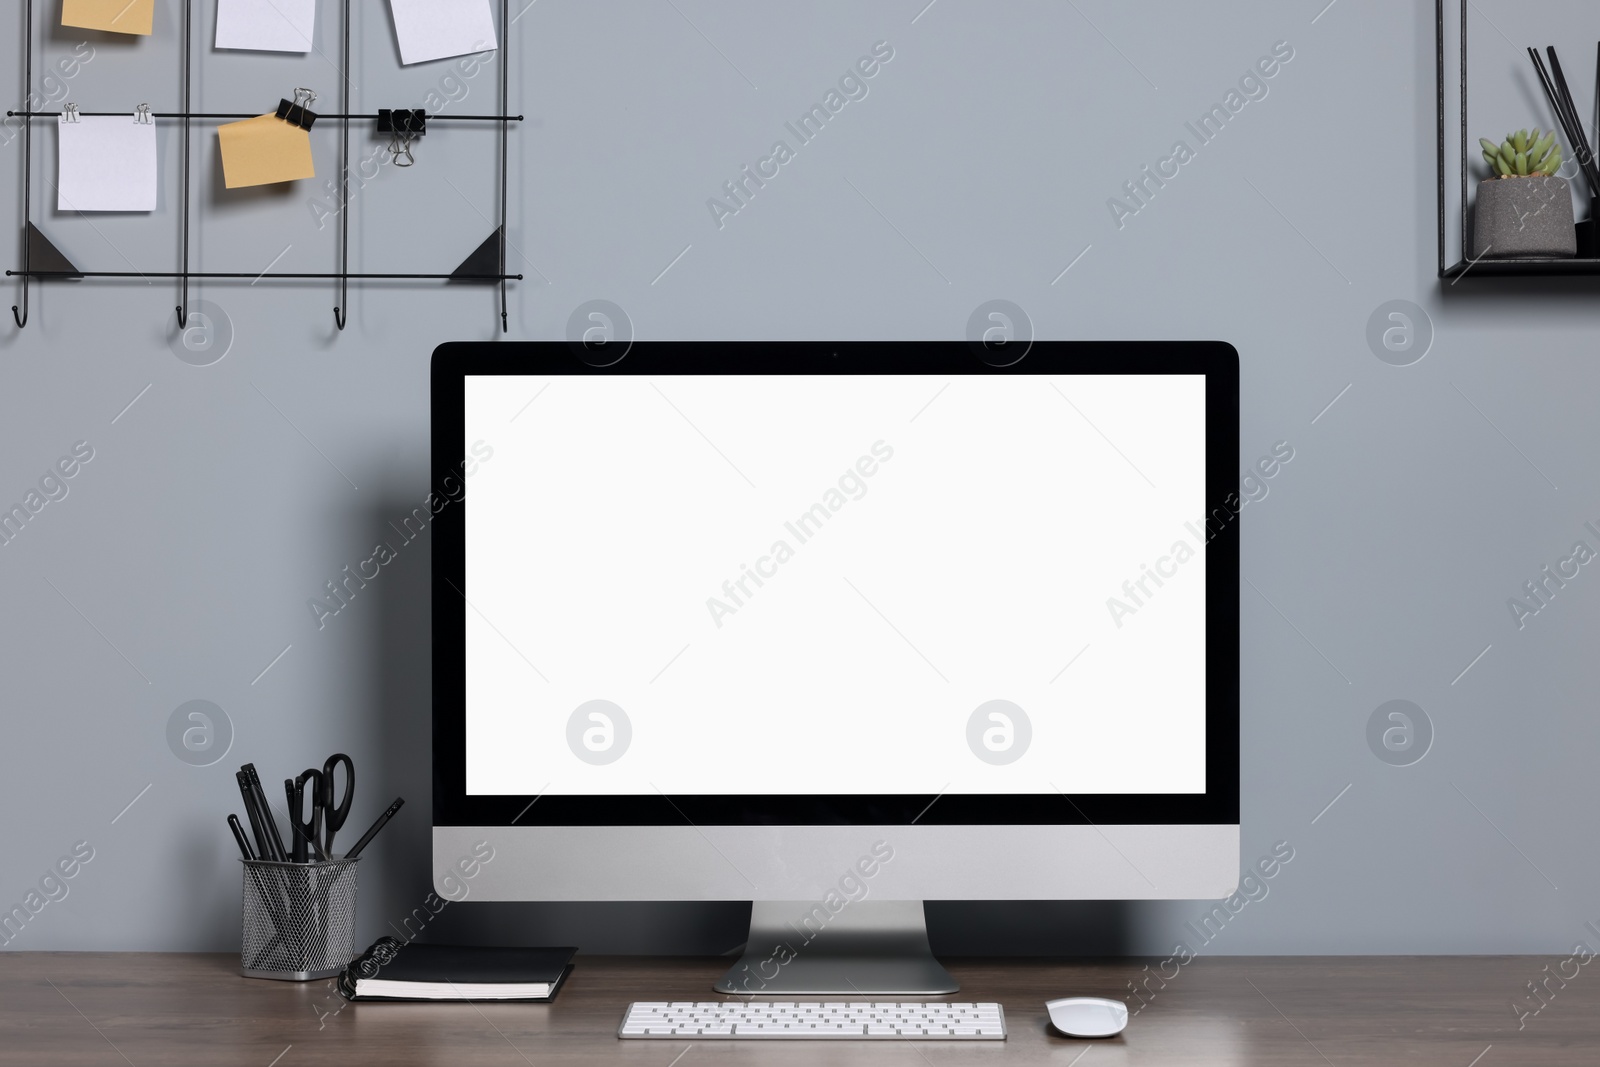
column 20, row 315
column 183, row 318
column 338, row 317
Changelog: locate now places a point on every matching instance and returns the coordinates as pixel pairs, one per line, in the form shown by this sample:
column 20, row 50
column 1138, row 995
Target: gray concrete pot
column 1523, row 217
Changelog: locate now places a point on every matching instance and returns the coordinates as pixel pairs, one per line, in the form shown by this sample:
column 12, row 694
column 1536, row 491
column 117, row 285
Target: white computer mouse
column 1088, row 1016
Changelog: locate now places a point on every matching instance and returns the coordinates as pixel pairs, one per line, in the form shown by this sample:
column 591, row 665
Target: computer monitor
column 836, row 628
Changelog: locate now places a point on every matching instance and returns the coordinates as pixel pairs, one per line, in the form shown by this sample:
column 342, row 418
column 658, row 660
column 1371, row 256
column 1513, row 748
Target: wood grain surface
column 147, row 1009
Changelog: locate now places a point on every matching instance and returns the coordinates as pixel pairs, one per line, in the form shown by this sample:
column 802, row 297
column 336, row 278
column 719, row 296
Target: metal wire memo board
column 43, row 261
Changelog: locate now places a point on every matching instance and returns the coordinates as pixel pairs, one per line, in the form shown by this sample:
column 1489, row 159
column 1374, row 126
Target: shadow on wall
column 395, row 875
column 955, row 928
column 1031, row 928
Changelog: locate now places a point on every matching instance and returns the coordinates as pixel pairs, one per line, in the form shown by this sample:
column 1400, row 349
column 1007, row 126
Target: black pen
column 238, row 835
column 297, row 849
column 300, row 842
column 373, row 831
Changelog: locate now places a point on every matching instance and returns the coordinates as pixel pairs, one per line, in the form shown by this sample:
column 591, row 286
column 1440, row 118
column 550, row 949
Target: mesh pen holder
column 299, row 919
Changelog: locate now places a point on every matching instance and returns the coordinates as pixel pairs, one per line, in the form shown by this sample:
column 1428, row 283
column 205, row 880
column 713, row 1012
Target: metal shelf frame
column 1480, row 268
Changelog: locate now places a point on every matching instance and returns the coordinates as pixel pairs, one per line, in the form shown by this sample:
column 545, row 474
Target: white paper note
column 438, row 29
column 266, row 25
column 108, row 163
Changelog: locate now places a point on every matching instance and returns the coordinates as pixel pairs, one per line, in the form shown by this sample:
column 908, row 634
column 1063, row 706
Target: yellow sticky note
column 264, row 150
column 117, row 16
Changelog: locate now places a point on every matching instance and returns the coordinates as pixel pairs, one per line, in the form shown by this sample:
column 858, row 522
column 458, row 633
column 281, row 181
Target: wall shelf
column 1527, row 268
column 42, row 261
column 1481, row 268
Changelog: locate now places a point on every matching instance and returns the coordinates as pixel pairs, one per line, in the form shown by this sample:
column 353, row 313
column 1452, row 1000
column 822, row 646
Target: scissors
column 334, row 815
column 326, row 817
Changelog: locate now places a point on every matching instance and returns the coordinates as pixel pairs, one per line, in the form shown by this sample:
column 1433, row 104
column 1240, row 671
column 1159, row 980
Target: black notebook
column 391, row 970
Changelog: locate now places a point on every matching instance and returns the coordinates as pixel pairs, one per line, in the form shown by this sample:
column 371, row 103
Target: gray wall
column 978, row 167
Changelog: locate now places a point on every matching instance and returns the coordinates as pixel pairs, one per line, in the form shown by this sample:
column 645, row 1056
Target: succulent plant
column 1523, row 154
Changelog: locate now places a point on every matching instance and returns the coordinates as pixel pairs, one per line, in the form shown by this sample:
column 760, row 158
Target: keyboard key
column 814, row 1020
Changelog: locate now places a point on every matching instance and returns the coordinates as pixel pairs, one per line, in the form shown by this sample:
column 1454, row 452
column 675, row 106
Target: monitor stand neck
column 868, row 947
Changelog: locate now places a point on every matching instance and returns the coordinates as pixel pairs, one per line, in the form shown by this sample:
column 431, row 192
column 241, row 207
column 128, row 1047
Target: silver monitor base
column 867, row 947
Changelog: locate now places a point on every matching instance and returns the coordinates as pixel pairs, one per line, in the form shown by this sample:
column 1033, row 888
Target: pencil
column 1580, row 144
column 1586, row 161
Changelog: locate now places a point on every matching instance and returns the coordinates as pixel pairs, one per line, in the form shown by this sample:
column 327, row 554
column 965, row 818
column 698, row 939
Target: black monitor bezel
column 1219, row 805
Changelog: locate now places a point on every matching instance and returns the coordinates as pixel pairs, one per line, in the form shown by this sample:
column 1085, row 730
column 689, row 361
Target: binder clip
column 69, row 112
column 141, row 116
column 404, row 126
column 297, row 113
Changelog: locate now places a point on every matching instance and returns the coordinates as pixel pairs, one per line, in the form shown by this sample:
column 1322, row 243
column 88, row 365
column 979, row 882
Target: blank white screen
column 976, row 561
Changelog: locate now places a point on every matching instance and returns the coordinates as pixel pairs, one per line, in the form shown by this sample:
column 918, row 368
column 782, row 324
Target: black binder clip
column 404, row 125
column 297, row 113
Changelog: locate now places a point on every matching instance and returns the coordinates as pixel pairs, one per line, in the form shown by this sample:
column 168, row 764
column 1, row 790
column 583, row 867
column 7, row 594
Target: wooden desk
column 147, row 1009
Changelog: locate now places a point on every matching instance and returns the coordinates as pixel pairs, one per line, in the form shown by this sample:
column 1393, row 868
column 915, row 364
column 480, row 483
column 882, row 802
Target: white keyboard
column 862, row 1020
